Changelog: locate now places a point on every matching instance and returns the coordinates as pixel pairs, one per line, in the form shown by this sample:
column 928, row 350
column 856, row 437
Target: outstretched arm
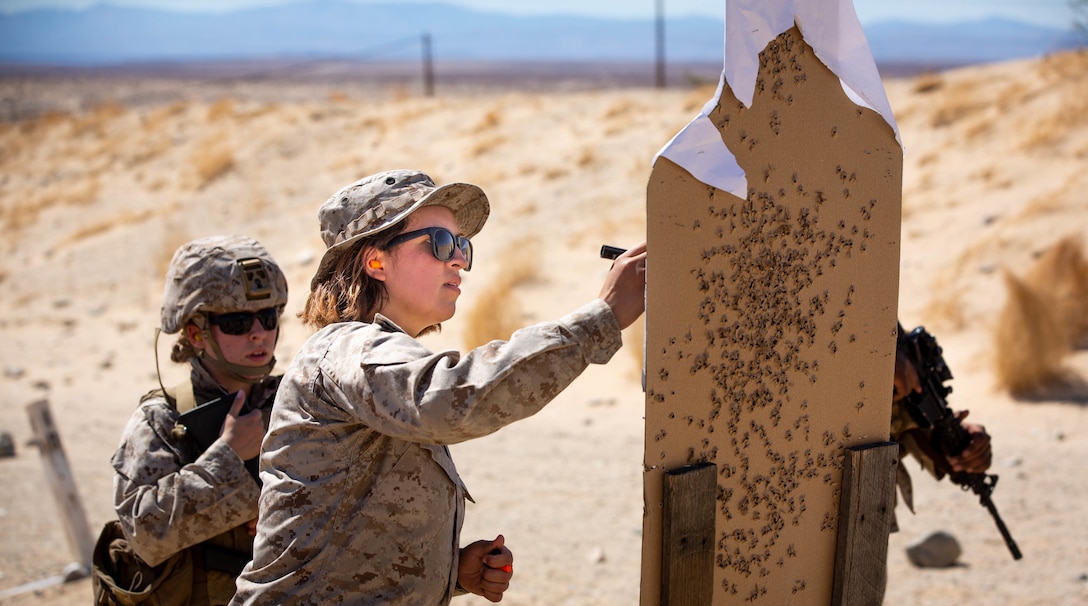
column 624, row 288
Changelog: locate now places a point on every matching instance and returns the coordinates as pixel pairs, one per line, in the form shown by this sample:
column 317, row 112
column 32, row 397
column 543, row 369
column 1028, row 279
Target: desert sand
column 97, row 192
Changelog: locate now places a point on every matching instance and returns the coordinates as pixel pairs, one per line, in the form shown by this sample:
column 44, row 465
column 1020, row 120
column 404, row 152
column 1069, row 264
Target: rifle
column 931, row 411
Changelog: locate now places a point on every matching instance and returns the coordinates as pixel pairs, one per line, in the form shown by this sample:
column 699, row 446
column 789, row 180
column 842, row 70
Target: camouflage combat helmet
column 220, row 274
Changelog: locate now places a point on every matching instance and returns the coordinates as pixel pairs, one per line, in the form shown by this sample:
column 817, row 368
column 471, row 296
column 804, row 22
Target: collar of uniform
column 387, row 324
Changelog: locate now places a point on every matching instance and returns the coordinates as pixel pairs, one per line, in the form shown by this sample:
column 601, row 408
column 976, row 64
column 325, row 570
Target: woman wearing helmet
column 362, row 502
column 223, row 298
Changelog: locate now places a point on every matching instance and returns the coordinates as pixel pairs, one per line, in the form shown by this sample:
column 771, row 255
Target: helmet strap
column 158, row 373
column 245, row 374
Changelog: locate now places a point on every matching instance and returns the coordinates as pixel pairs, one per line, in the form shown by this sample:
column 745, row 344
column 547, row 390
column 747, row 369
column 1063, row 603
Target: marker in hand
column 508, row 567
column 611, row 252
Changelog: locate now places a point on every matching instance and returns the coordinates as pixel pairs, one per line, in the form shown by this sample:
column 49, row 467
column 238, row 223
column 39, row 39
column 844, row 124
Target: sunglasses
column 444, row 243
column 240, row 322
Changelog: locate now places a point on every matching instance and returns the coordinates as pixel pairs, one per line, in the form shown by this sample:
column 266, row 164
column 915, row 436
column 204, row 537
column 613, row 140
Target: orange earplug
column 375, row 264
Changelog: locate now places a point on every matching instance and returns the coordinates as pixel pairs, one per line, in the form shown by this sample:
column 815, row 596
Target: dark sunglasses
column 444, row 243
column 240, row 322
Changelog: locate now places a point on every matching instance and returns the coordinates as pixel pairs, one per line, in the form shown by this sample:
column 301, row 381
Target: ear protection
column 375, row 264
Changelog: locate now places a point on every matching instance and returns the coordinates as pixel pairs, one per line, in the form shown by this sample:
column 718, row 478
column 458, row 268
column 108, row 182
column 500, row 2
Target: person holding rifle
column 187, row 510
column 926, row 427
column 916, row 441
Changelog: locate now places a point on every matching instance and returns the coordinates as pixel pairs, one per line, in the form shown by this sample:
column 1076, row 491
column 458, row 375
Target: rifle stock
column 204, row 422
column 931, row 411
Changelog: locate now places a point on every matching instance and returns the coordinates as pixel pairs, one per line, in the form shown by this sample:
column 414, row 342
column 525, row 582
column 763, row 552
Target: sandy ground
column 94, row 199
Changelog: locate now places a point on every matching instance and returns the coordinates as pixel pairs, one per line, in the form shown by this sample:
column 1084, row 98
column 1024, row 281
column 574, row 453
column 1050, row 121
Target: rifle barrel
column 1009, row 542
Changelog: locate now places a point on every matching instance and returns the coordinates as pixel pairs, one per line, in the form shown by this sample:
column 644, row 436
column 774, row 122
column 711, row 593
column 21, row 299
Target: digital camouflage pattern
column 361, row 502
column 379, row 201
column 168, row 496
column 220, row 274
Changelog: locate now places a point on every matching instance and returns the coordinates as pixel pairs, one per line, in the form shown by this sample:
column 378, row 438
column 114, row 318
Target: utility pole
column 428, row 67
column 660, row 29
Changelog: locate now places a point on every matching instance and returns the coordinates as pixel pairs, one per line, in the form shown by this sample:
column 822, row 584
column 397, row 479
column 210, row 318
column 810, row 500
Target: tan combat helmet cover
column 220, row 274
column 379, row 201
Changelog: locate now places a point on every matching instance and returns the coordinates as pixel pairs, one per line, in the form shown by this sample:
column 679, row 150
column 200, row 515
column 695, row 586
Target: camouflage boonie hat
column 220, row 274
column 379, row 201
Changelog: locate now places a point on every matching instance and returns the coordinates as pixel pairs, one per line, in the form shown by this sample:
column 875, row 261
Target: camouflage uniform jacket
column 361, row 502
column 167, row 495
column 905, row 432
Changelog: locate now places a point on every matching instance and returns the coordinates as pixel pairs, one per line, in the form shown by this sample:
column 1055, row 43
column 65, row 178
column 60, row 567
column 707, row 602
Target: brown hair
column 348, row 293
column 183, row 349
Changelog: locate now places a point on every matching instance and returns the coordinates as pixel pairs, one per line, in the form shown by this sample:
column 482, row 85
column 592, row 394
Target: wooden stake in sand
column 773, row 229
column 61, row 482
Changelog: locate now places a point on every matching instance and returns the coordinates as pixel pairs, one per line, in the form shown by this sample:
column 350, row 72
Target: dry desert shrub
column 256, row 111
column 82, row 192
column 927, row 83
column 1028, row 345
column 372, row 122
column 958, row 103
column 1050, row 202
column 526, row 209
column 211, row 159
column 586, row 157
column 158, row 119
column 490, row 120
column 978, row 129
column 1066, row 73
column 485, row 145
column 26, row 131
column 1014, row 95
column 94, row 123
column 498, row 311
column 554, row 172
column 93, row 229
column 984, row 174
column 621, row 107
column 929, row 158
column 29, row 206
column 222, row 109
column 147, row 149
column 1060, row 278
column 1052, row 128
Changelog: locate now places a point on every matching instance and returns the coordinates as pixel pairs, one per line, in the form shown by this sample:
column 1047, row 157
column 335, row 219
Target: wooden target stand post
column 62, row 484
column 770, row 346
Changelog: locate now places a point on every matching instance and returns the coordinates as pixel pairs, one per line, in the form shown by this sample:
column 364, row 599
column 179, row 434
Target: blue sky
column 1054, row 13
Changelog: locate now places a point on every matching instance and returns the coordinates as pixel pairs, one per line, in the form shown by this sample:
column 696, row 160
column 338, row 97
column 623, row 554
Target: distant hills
column 110, row 35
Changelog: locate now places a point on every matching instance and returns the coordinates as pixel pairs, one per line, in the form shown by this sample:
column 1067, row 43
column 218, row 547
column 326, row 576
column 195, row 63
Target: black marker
column 611, row 252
